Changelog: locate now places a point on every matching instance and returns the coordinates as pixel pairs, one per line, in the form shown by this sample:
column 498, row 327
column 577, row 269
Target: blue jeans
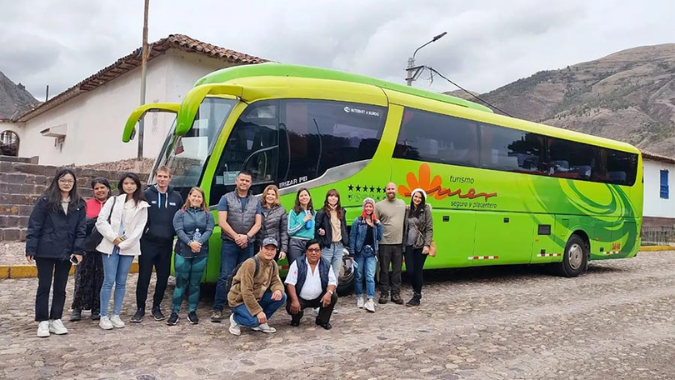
column 367, row 264
column 230, row 256
column 333, row 255
column 115, row 271
column 244, row 318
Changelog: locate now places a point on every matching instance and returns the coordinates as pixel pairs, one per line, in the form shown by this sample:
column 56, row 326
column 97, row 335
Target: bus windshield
column 186, row 155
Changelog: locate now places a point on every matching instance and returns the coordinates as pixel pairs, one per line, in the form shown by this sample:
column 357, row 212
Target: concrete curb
column 654, row 248
column 30, row 271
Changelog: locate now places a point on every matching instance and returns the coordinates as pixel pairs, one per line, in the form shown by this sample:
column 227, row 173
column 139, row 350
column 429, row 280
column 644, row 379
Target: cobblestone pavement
column 12, row 253
column 615, row 322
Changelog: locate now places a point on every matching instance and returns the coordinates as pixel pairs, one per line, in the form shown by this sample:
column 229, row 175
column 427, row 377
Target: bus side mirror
column 138, row 114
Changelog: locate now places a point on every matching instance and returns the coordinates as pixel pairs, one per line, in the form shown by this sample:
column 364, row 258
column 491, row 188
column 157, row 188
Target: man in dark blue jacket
column 157, row 242
column 311, row 283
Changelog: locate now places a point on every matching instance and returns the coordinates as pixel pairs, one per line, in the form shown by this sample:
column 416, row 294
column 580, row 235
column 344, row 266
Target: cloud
column 489, row 43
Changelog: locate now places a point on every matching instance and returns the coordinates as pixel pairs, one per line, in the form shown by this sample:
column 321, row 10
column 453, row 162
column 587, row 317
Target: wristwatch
column 330, row 291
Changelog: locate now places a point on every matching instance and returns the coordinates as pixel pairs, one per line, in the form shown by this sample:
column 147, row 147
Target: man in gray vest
column 239, row 218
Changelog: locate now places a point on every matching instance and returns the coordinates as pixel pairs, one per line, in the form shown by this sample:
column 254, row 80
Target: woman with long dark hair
column 89, row 274
column 331, row 230
column 300, row 225
column 194, row 225
column 55, row 236
column 274, row 221
column 121, row 243
column 417, row 233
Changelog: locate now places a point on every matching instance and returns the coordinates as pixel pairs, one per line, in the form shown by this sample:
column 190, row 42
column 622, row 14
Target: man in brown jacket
column 256, row 291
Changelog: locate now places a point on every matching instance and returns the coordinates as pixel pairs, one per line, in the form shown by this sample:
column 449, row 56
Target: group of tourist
column 103, row 235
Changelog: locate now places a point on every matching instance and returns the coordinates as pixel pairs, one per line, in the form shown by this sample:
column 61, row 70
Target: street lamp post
column 412, row 70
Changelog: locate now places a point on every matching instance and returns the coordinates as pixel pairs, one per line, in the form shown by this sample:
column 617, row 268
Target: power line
column 463, row 89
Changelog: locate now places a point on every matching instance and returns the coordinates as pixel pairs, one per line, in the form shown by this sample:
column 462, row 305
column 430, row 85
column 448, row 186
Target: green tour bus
column 503, row 190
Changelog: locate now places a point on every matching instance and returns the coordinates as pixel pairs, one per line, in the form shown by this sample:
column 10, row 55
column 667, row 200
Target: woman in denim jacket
column 365, row 234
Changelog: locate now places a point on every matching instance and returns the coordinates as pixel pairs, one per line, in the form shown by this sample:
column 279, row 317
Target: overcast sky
column 489, row 43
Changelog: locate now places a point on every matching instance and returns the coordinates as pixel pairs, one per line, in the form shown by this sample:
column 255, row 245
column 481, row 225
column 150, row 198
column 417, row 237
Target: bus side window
column 319, row 135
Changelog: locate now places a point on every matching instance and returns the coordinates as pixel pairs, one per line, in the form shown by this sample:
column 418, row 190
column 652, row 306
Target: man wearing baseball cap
column 257, row 291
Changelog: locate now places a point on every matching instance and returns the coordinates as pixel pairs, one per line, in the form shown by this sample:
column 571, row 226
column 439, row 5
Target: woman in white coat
column 121, row 223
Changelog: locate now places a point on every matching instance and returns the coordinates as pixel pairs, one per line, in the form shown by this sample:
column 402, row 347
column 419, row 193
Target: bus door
column 502, row 238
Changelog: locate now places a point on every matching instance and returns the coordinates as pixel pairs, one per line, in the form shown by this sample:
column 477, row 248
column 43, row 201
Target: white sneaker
column 116, row 321
column 57, row 327
column 359, row 302
column 43, row 329
column 370, row 305
column 265, row 328
column 234, row 326
column 105, row 323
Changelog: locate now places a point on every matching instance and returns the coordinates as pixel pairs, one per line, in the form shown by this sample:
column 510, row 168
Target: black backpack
column 230, row 278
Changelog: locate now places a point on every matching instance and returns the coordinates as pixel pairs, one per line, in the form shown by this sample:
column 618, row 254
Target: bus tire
column 346, row 279
column 575, row 259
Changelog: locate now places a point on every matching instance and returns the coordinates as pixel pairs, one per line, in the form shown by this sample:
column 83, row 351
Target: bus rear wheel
column 575, row 258
column 346, row 277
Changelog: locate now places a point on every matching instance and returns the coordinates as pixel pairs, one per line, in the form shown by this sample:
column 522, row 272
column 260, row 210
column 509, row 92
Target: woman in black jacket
column 274, row 222
column 331, row 230
column 55, row 236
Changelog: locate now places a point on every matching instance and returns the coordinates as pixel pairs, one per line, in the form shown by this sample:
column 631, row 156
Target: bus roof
column 282, row 69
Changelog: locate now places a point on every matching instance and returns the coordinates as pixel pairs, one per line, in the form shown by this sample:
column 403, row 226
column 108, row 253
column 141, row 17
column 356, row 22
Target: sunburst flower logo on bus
column 434, row 186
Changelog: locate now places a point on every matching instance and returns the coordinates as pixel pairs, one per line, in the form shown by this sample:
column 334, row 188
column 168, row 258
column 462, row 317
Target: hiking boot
column 43, row 329
column 105, row 323
column 396, row 298
column 384, row 298
column 234, row 326
column 265, row 328
column 193, row 318
column 157, row 314
column 96, row 315
column 370, row 305
column 217, row 316
column 138, row 317
column 117, row 321
column 326, row 326
column 360, row 302
column 173, row 319
column 76, row 315
column 57, row 327
column 415, row 300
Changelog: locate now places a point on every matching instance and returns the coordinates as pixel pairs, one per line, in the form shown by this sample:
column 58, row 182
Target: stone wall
column 22, row 181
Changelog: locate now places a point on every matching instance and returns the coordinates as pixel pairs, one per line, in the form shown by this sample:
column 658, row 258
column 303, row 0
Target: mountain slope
column 14, row 99
column 627, row 96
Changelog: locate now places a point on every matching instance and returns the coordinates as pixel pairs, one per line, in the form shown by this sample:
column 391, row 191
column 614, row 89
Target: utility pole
column 413, row 71
column 144, row 64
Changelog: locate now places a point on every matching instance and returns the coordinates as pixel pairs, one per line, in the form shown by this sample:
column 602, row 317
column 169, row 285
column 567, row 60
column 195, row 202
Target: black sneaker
column 76, row 315
column 138, row 317
column 173, row 319
column 157, row 314
column 96, row 315
column 192, row 317
column 395, row 298
column 217, row 316
column 326, row 326
column 384, row 298
column 414, row 301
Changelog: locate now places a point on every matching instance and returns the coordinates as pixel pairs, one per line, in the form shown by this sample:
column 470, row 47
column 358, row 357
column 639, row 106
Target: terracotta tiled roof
column 657, row 157
column 133, row 60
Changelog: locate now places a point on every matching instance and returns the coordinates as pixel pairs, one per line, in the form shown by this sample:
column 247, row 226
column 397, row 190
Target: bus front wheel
column 346, row 277
column 575, row 258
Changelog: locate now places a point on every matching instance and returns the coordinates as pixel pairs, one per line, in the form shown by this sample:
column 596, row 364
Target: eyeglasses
column 313, row 249
column 67, row 181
